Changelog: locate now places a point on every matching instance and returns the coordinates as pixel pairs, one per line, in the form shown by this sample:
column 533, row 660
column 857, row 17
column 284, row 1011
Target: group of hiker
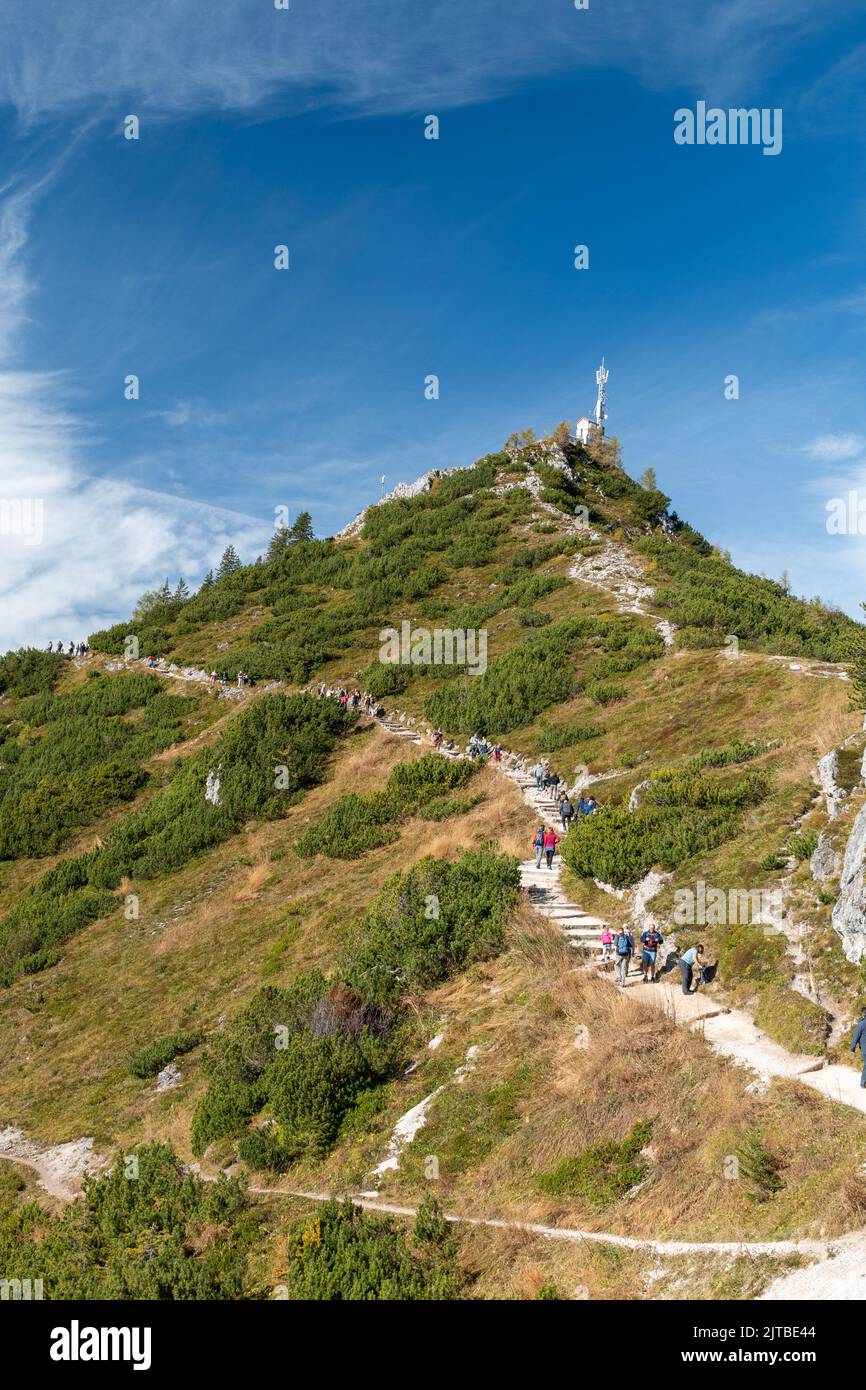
column 480, row 747
column 350, row 699
column 75, row 648
column 622, row 947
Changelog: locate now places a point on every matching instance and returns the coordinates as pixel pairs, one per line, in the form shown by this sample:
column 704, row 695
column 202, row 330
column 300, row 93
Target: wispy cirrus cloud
column 835, row 448
column 384, row 56
column 98, row 543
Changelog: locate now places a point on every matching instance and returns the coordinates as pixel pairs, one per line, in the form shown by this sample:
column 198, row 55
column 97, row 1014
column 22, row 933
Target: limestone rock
column 849, row 913
column 825, row 861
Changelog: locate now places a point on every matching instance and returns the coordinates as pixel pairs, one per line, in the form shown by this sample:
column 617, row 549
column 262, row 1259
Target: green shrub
column 602, row 1173
column 604, row 692
column 619, row 848
column 342, row 1253
column 151, row 1060
column 759, row 1167
column 554, row 736
column 532, row 617
column 515, row 688
column 443, row 807
column 803, row 844
column 29, row 671
column 738, row 751
column 279, row 739
column 356, row 824
column 431, row 922
column 165, row 1236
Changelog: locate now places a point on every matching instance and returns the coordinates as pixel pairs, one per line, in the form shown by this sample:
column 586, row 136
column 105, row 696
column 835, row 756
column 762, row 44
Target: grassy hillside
column 294, row 940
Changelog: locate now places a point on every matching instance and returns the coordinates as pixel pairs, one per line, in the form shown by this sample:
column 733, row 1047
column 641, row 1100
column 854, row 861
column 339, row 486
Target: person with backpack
column 859, row 1040
column 606, row 945
column 651, row 940
column 566, row 812
column 551, row 840
column 689, row 962
column 623, row 950
column 538, row 845
column 497, row 752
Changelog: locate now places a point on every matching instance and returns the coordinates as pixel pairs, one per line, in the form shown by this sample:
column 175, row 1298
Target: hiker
column 437, row 739
column 606, row 944
column 551, row 840
column 473, row 746
column 497, row 753
column 591, row 805
column 538, row 845
column 566, row 811
column 51, row 646
column 689, row 960
column 553, row 781
column 651, row 940
column 538, row 772
column 624, row 950
column 859, row 1040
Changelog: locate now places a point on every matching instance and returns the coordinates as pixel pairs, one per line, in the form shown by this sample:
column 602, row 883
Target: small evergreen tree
column 181, row 591
column 279, row 541
column 229, row 563
column 208, row 581
column 647, row 479
column 302, row 528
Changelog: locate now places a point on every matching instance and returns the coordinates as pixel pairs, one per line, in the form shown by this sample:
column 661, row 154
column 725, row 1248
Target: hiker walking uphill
column 538, row 845
column 566, row 812
column 551, row 840
column 859, row 1040
column 689, row 962
column 623, row 947
column 651, row 942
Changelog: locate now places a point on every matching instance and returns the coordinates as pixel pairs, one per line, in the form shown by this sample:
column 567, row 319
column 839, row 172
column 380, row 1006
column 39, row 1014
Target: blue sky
column 263, row 389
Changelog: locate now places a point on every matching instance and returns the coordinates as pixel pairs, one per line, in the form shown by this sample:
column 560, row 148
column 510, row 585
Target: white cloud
column 382, row 56
column 103, row 542
column 835, row 448
column 76, row 551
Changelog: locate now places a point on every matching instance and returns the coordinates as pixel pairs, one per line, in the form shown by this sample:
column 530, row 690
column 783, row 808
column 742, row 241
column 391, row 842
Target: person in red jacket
column 551, row 840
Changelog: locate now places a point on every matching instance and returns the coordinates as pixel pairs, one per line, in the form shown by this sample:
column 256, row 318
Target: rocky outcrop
column 422, row 484
column 825, row 861
column 849, row 914
column 828, row 771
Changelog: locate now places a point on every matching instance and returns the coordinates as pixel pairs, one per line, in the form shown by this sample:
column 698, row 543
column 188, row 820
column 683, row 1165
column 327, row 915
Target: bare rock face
column 422, row 484
column 828, row 771
column 212, row 788
column 825, row 861
column 169, row 1077
column 849, row 914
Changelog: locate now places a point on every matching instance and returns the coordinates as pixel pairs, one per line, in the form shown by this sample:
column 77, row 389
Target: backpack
column 623, row 945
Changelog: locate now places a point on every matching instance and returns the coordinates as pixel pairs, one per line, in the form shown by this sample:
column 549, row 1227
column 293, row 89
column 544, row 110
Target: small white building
column 585, row 428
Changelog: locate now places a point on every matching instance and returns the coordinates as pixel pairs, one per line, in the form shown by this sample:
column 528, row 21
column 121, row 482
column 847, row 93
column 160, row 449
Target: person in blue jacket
column 859, row 1040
